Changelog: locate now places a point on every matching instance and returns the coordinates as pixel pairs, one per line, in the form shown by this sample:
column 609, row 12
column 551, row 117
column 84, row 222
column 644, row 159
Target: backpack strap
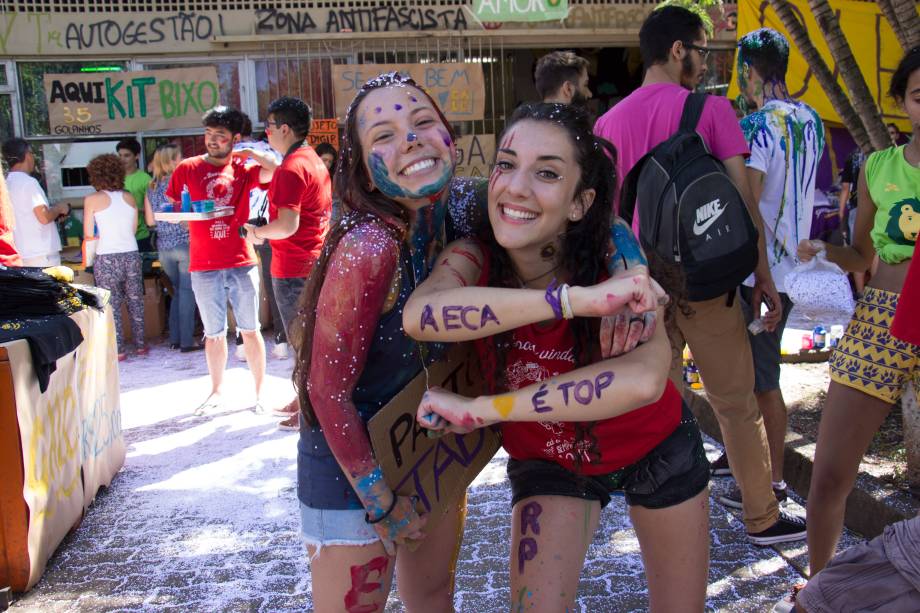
column 693, row 109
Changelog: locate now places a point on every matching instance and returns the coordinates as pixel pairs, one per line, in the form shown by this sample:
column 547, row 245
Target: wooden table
column 57, row 448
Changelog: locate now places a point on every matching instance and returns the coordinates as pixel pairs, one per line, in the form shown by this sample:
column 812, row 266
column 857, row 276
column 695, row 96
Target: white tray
column 221, row 211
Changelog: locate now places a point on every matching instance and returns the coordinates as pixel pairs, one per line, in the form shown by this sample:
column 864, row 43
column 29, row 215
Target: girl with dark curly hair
column 117, row 266
column 576, row 425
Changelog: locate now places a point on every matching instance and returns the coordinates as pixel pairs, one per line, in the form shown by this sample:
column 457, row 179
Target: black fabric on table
column 50, row 338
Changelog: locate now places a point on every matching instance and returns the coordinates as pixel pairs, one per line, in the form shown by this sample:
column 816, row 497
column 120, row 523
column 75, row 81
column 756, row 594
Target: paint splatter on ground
column 203, row 517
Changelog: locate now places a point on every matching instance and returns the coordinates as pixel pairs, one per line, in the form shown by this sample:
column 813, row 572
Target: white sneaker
column 280, row 351
column 241, row 353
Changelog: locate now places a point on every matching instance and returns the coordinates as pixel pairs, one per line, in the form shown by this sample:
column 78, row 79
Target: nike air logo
column 707, row 215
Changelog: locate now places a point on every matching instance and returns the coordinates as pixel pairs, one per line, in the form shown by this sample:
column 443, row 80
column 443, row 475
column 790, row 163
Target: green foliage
column 700, row 7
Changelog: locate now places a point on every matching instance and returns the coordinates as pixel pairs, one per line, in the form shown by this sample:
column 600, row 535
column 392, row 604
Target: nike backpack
column 690, row 212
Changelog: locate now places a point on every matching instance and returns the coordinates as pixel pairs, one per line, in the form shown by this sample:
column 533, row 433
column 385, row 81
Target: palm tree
column 823, row 74
column 906, row 23
column 860, row 95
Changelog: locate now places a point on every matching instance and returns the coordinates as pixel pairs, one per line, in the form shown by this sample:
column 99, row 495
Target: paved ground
column 203, row 518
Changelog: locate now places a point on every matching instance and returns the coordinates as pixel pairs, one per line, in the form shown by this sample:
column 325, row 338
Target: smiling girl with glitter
column 395, row 180
column 577, row 427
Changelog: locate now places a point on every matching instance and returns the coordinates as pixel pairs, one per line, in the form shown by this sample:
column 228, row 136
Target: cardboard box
column 154, row 312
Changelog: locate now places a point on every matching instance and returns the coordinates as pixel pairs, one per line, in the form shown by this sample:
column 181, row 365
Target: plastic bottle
column 756, row 327
column 836, row 334
column 186, row 200
column 819, row 337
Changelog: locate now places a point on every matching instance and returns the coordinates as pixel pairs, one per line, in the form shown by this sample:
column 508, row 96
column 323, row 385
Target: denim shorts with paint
column 328, row 527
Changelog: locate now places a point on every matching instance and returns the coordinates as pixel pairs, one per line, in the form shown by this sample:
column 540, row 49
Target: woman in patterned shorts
column 869, row 367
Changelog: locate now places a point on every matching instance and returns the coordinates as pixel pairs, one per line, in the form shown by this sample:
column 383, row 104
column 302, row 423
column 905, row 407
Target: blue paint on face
column 413, row 98
column 378, row 110
column 398, row 107
column 411, row 137
column 385, row 184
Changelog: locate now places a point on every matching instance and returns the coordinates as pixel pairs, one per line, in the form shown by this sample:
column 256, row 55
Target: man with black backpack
column 688, row 190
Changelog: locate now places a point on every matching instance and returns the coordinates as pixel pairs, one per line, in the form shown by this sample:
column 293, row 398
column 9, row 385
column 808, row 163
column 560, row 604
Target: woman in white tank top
column 117, row 268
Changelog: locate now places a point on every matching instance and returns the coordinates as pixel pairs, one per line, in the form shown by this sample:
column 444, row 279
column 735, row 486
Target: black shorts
column 673, row 472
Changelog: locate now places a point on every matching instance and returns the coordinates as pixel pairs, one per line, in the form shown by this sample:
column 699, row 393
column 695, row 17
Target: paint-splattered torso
column 786, row 139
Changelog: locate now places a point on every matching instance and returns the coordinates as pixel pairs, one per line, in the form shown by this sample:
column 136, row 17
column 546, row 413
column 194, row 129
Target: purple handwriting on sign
column 527, row 548
column 438, row 459
column 456, row 317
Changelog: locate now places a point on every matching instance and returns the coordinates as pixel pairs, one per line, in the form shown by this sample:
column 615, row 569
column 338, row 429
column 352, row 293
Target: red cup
column 808, row 343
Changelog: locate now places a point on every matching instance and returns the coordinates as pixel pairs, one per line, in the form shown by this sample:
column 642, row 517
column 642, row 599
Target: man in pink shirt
column 673, row 45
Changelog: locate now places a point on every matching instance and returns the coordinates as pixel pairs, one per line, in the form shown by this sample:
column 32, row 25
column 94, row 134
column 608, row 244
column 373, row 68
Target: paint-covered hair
column 362, row 203
column 766, row 50
column 906, row 67
column 584, row 244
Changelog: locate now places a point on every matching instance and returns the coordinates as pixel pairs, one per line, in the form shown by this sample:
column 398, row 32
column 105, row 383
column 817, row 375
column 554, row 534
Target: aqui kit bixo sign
column 82, row 104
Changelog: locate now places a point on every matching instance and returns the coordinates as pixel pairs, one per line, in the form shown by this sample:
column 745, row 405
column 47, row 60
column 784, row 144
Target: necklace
column 540, row 276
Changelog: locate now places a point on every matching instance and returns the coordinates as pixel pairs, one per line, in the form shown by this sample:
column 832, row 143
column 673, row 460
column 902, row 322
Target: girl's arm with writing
column 448, row 306
column 598, row 391
column 355, row 287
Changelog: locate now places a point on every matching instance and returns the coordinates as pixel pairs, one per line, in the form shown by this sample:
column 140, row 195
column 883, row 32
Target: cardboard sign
column 521, row 10
column 476, row 153
column 114, row 102
column 324, row 131
column 437, row 470
column 459, row 89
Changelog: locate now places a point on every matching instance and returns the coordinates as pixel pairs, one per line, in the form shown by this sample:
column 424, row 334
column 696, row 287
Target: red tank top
column 541, row 351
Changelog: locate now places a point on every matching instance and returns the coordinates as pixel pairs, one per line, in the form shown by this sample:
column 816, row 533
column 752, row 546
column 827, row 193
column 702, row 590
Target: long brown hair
column 363, row 204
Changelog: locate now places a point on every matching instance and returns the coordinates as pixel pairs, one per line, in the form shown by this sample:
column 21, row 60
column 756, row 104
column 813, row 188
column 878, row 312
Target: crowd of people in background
column 362, row 271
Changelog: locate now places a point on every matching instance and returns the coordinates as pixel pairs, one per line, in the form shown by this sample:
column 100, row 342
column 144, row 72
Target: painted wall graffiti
column 54, row 471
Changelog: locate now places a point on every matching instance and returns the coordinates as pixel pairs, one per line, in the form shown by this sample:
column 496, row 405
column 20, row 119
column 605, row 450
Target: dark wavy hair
column 906, row 67
column 362, row 204
column 584, row 244
column 106, row 173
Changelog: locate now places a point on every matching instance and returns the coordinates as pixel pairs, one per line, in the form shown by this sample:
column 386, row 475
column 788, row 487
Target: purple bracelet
column 552, row 297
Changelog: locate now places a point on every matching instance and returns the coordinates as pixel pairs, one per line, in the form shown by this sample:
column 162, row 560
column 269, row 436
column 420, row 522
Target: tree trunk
column 908, row 22
column 862, row 99
column 892, row 17
column 822, row 73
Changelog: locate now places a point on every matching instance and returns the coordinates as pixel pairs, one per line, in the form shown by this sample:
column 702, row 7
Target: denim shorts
column 765, row 347
column 673, row 472
column 238, row 285
column 324, row 527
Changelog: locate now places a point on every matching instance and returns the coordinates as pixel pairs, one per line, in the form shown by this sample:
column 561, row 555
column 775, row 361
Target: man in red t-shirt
column 299, row 208
column 222, row 264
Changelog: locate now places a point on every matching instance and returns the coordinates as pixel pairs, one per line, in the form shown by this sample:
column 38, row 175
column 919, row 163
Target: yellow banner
column 871, row 38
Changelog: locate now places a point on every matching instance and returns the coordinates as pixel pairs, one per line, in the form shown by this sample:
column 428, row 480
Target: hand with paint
column 402, row 526
column 637, row 291
column 444, row 411
column 626, row 330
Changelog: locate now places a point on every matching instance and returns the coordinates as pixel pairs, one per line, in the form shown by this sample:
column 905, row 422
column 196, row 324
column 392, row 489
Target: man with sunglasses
column 672, row 41
column 299, row 210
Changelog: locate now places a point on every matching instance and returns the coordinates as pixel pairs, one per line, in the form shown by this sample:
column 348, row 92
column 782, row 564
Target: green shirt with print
column 136, row 184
